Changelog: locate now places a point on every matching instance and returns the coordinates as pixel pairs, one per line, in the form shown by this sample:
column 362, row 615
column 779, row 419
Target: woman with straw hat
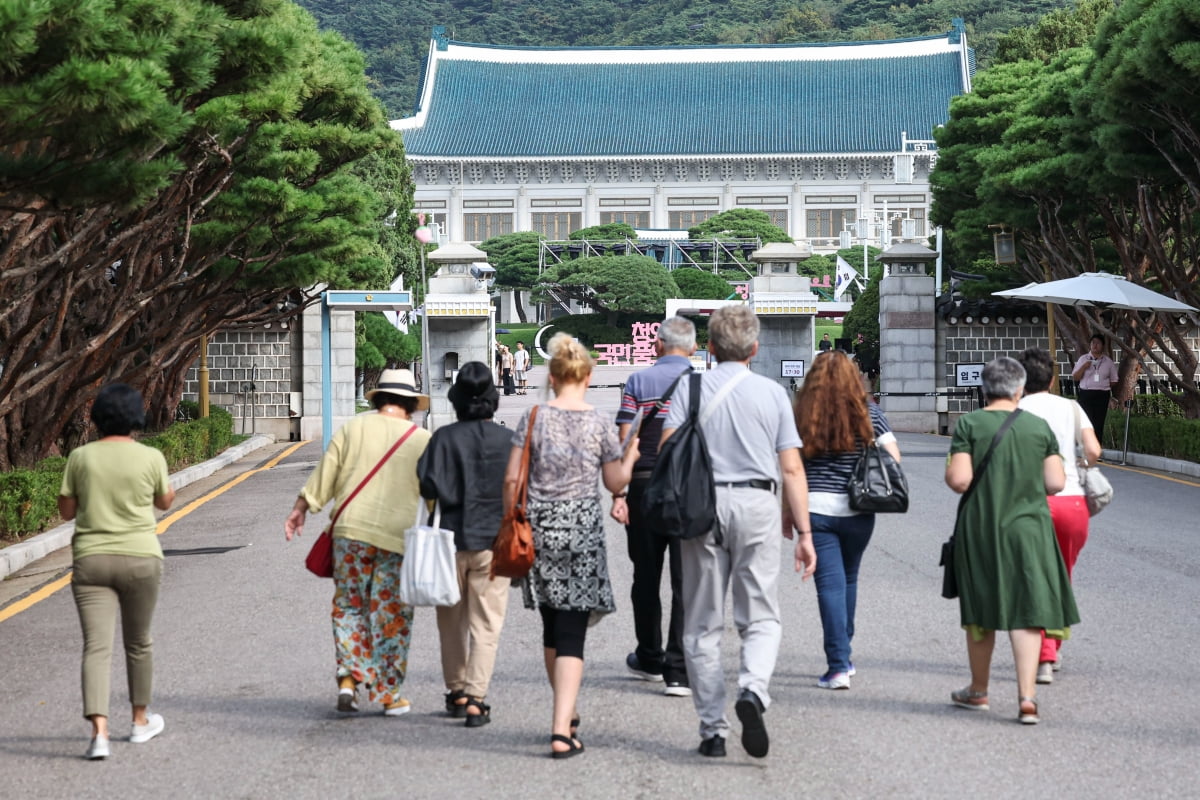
column 371, row 627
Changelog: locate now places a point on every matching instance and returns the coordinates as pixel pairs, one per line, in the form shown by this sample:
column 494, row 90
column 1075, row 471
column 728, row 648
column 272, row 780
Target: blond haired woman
column 573, row 447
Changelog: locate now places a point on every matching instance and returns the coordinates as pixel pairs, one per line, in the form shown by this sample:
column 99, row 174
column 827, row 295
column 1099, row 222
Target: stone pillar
column 907, row 357
column 458, row 322
column 341, row 324
column 786, row 308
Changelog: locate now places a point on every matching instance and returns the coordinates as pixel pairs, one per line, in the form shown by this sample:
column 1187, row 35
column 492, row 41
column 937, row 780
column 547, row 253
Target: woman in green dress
column 1011, row 575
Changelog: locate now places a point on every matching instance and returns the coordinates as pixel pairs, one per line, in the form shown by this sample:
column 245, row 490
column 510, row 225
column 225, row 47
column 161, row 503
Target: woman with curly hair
column 835, row 421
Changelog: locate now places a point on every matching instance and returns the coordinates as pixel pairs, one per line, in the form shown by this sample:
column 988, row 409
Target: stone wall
column 238, row 358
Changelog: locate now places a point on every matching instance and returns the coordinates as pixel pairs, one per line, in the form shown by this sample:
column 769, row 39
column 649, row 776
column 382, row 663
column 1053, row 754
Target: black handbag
column 949, row 578
column 878, row 485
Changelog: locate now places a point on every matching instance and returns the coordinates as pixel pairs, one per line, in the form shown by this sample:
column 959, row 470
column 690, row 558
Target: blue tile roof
column 490, row 108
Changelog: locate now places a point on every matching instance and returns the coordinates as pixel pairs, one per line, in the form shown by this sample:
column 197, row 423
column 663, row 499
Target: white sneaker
column 1058, row 663
column 1045, row 672
column 140, row 734
column 398, row 708
column 834, row 680
column 677, row 689
column 97, row 749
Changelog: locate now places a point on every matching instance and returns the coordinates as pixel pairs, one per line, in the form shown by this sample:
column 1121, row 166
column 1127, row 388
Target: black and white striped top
column 829, row 475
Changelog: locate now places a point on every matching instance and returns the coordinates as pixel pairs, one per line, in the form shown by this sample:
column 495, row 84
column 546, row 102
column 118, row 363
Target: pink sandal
column 974, row 701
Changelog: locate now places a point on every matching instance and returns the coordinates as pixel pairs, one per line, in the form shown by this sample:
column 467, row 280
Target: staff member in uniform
column 1097, row 374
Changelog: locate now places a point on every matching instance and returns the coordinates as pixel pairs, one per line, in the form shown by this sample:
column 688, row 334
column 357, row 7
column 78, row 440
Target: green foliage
column 609, row 231
column 1170, row 437
column 864, row 316
column 739, row 223
column 593, row 329
column 394, row 34
column 1061, row 29
column 515, row 258
column 613, row 284
column 29, row 497
column 186, row 443
column 382, row 345
column 696, row 284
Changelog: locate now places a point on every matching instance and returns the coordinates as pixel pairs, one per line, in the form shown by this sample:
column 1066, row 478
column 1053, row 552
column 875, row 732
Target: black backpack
column 681, row 500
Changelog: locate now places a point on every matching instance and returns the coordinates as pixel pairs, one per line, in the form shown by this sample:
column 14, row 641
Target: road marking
column 37, row 597
column 1142, row 471
column 166, row 522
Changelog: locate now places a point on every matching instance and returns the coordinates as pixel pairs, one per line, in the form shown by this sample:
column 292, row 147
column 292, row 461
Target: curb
column 1173, row 465
column 18, row 556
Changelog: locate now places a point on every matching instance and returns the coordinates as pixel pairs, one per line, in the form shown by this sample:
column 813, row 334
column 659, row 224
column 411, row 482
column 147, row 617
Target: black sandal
column 575, row 726
column 453, row 707
column 482, row 718
column 575, row 745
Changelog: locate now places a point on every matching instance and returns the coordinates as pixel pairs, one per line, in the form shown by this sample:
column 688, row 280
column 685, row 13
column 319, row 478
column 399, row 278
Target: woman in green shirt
column 111, row 488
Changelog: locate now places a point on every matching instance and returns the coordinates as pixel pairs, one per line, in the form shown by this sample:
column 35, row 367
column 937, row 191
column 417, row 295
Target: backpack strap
column 662, row 401
column 721, row 394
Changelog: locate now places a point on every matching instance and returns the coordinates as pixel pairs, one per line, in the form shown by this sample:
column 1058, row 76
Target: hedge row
column 29, row 497
column 1172, row 437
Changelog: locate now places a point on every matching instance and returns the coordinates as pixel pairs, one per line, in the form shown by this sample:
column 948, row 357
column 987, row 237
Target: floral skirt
column 570, row 570
column 371, row 627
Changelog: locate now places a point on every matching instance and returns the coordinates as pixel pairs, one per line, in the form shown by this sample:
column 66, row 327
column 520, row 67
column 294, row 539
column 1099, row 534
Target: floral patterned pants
column 371, row 627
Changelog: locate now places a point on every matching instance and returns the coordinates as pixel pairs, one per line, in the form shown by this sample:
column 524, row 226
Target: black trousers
column 509, row 386
column 648, row 549
column 1095, row 404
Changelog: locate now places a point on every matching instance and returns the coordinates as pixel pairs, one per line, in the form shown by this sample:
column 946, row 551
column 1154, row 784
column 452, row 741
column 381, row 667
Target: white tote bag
column 428, row 575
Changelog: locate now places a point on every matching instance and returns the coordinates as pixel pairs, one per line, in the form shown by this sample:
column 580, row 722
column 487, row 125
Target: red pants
column 1070, row 517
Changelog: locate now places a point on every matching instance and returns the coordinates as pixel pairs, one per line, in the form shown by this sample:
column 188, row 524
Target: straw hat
column 400, row 382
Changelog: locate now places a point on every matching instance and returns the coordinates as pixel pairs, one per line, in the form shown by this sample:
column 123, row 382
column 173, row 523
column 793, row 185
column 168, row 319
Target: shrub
column 188, row 442
column 1171, row 437
column 29, row 497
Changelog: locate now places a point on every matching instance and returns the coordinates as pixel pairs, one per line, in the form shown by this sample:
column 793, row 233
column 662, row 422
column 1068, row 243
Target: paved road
column 244, row 668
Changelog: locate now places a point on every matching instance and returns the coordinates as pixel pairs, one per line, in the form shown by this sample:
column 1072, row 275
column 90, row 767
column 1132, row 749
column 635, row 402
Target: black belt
column 642, row 474
column 756, row 483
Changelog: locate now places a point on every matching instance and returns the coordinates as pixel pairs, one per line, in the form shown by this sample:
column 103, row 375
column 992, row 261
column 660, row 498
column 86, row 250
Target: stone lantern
column 907, row 339
column 458, row 321
column 786, row 308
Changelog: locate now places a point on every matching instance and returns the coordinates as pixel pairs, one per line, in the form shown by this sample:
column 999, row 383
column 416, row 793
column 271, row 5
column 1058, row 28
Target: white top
column 520, row 359
column 1059, row 413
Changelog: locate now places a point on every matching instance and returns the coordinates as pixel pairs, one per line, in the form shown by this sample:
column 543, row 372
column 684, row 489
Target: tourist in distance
column 752, row 442
column 462, row 470
column 521, row 368
column 371, row 627
column 825, row 345
column 835, row 421
column 1006, row 561
column 110, row 488
column 1097, row 375
column 506, row 370
column 1068, row 508
column 644, row 392
column 573, row 448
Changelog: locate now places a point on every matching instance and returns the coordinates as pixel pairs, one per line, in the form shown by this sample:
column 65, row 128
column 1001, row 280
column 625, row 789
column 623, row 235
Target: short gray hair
column 677, row 333
column 732, row 332
column 1003, row 377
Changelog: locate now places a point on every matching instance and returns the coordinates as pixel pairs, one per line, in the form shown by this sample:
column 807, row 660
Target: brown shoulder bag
column 512, row 552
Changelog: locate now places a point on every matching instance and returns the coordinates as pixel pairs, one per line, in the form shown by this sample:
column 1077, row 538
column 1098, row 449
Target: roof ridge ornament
column 957, row 29
column 440, row 38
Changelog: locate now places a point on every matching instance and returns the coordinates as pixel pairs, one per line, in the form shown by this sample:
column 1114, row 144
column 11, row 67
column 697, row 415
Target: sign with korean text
column 968, row 374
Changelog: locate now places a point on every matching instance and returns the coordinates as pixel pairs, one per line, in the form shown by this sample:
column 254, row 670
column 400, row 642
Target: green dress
column 1010, row 570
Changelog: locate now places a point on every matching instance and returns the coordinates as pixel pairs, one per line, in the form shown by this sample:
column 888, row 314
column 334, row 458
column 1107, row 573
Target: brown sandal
column 1026, row 717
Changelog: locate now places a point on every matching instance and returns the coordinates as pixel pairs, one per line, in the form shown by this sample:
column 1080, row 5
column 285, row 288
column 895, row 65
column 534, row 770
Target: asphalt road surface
column 244, row 676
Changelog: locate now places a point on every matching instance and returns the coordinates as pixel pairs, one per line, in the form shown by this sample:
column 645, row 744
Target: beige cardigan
column 387, row 505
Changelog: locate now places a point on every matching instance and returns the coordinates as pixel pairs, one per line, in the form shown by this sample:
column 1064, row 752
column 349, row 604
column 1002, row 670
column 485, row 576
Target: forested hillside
column 394, row 34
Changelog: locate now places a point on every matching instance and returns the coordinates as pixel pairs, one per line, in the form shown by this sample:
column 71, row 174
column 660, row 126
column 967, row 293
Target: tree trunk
column 519, row 305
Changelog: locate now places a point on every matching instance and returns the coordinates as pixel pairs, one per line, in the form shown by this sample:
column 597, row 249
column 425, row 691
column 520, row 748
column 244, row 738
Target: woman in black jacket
column 463, row 470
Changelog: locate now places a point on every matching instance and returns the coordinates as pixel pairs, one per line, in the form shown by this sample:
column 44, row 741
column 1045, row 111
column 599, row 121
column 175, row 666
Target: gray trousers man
column 748, row 559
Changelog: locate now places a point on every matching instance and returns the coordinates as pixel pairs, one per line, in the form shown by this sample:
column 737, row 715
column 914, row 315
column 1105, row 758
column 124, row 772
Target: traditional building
column 819, row 136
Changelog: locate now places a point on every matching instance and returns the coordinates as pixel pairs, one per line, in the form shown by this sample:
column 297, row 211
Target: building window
column 828, row 223
column 910, row 223
column 635, row 219
column 556, row 226
column 478, row 227
column 682, row 220
column 555, row 202
column 779, row 217
column 487, row 203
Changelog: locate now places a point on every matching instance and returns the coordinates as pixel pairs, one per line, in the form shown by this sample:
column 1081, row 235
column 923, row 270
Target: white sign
column 968, row 374
column 793, row 369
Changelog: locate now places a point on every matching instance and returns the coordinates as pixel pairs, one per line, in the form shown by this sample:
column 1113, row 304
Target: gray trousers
column 104, row 586
column 747, row 561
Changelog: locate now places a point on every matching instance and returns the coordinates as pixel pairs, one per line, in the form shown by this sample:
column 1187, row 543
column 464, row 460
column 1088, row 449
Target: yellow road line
column 37, row 597
column 166, row 522
column 1142, row 471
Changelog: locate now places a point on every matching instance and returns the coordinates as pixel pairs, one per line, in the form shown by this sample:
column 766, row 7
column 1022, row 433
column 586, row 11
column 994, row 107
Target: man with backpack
column 647, row 395
column 750, row 435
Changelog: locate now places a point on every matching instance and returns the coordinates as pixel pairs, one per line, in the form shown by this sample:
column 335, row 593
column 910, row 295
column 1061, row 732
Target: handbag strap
column 987, row 457
column 662, row 401
column 371, row 474
column 522, row 492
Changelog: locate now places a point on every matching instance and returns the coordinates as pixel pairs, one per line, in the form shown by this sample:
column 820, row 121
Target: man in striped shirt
column 645, row 392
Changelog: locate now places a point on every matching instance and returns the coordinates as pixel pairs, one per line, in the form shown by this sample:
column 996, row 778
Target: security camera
column 482, row 272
